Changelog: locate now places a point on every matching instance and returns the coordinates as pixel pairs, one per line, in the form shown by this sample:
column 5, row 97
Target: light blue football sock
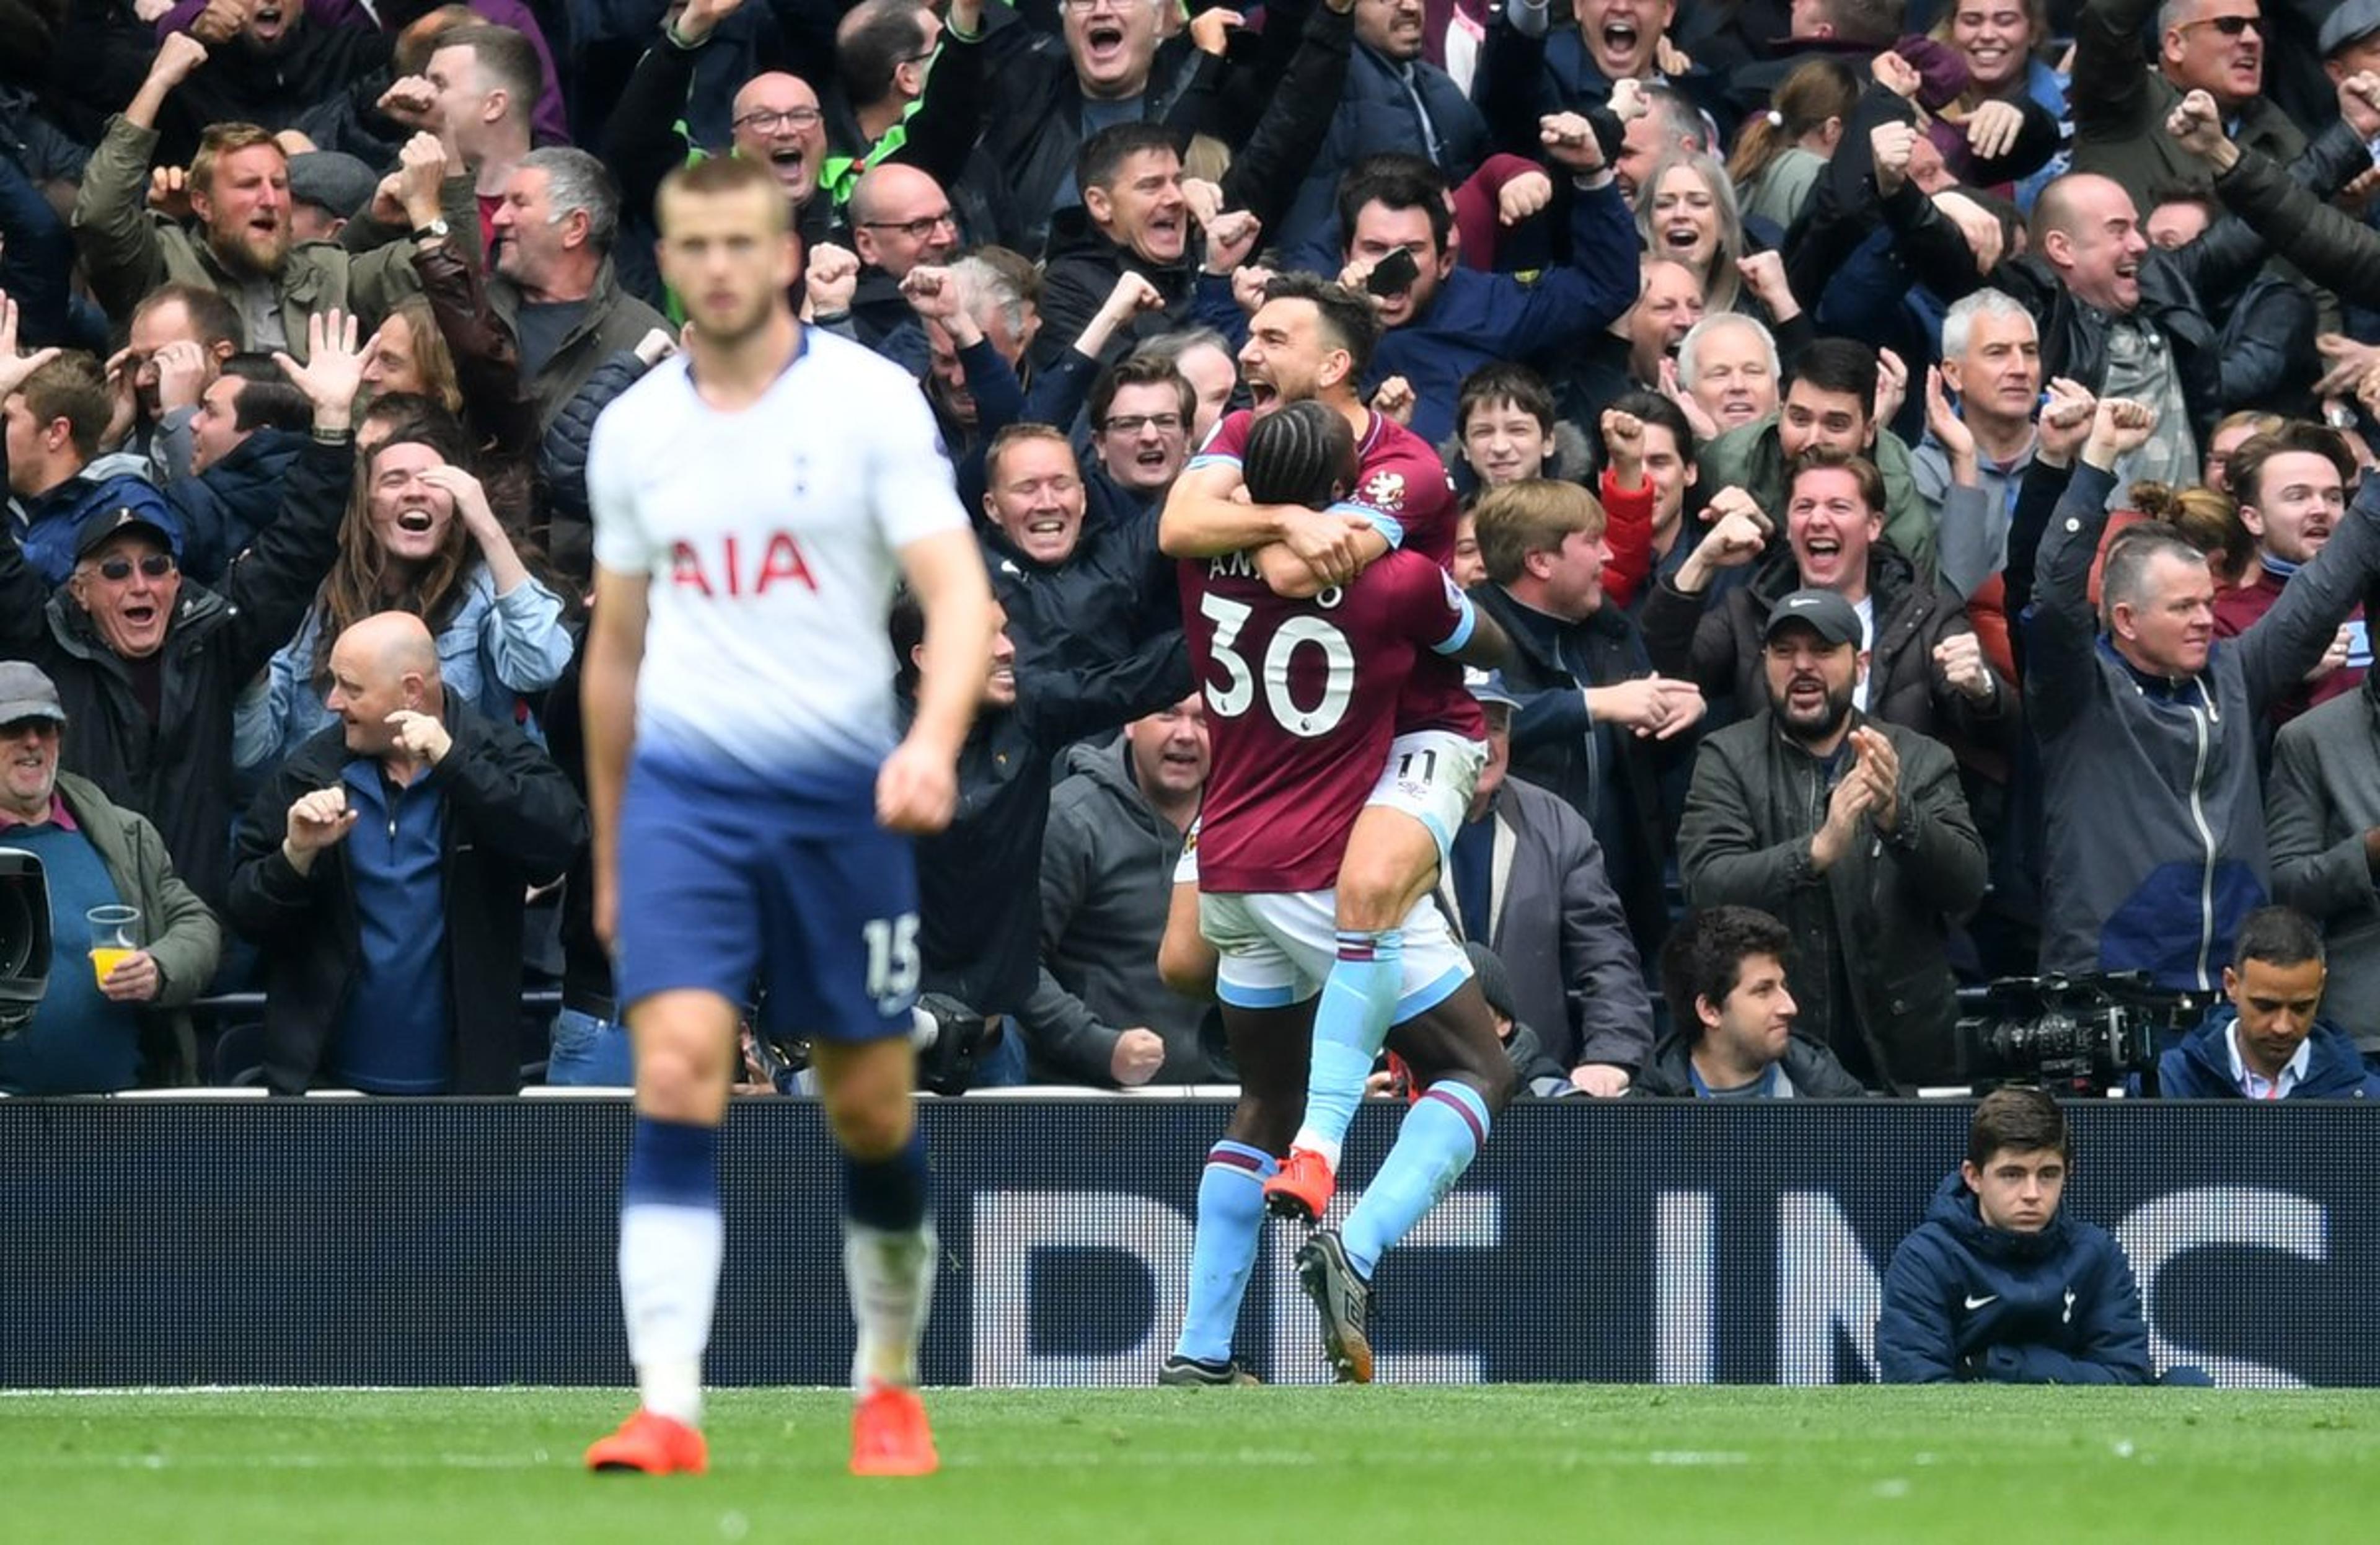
column 1443, row 1132
column 1350, row 1023
column 1224, row 1251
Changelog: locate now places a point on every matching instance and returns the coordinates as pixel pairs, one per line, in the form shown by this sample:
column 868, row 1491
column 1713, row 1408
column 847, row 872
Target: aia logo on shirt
column 731, row 568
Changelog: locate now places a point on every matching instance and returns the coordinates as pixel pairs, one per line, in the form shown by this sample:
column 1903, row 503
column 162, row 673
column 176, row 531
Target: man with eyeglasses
column 1140, row 411
column 882, row 51
column 95, row 1031
column 149, row 663
column 901, row 220
column 774, row 119
column 2120, row 103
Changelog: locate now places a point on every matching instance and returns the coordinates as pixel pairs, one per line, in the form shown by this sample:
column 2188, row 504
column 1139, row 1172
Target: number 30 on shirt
column 1237, row 693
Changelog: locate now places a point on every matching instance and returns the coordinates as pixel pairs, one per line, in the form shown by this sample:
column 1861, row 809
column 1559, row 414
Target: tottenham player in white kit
column 754, row 500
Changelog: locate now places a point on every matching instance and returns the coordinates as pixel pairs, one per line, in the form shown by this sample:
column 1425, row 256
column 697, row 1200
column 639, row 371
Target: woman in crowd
column 1779, row 155
column 419, row 537
column 1687, row 212
column 2001, row 42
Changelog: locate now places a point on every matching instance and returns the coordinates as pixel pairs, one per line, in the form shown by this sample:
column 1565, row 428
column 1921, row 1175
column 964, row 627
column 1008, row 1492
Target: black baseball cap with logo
column 1832, row 618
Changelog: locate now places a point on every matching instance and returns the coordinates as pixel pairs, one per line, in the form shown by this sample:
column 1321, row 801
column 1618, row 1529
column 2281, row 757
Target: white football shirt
column 770, row 536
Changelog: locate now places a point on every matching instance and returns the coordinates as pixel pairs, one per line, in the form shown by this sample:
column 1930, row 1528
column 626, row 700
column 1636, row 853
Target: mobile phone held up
column 1394, row 275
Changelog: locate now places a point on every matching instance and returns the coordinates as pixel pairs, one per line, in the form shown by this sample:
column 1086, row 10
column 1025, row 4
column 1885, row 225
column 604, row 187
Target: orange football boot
column 657, row 1445
column 1304, row 1187
column 889, row 1435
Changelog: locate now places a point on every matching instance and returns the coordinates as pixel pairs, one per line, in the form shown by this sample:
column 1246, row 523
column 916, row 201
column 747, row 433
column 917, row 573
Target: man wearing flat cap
column 325, row 189
column 105, row 1022
column 1852, row 832
column 2349, row 39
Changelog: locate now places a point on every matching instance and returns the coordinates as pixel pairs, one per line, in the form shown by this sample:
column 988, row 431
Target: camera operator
column 1855, row 833
column 1999, row 1283
column 2267, row 1043
column 93, row 1033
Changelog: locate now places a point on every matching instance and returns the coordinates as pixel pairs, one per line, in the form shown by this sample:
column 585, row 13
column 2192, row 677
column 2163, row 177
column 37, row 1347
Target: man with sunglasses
column 149, row 663
column 2124, row 87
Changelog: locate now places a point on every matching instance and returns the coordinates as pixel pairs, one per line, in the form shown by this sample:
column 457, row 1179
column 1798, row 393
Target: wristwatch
column 434, row 231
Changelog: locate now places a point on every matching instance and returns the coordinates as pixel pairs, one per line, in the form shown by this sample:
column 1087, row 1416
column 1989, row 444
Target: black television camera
column 2087, row 1032
column 24, row 938
column 950, row 1039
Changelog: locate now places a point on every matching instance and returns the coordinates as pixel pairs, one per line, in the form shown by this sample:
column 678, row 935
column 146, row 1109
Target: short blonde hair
column 223, row 140
column 1012, row 436
column 1535, row 515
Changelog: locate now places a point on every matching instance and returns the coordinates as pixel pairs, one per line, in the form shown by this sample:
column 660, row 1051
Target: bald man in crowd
column 382, row 872
column 901, row 219
column 773, row 117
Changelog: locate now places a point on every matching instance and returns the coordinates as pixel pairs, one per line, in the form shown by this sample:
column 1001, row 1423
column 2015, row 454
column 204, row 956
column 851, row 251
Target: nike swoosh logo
column 1986, row 1299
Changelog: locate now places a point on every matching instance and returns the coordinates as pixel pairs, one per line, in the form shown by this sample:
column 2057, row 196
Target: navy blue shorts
column 723, row 885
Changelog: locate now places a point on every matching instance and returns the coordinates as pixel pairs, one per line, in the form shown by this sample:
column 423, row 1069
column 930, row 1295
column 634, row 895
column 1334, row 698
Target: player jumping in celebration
column 1314, row 340
column 755, row 499
column 1303, row 697
column 1401, row 844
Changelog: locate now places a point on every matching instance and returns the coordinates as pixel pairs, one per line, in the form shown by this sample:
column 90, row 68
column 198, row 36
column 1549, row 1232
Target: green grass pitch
column 1453, row 1467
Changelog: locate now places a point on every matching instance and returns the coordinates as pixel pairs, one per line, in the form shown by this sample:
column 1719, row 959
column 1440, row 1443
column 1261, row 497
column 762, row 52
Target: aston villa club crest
column 1385, row 491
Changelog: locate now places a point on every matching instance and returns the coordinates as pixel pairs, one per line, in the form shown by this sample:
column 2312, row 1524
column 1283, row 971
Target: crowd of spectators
column 1921, row 451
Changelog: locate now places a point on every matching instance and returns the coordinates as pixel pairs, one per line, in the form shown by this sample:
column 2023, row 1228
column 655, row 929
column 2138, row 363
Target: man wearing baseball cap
column 149, row 663
column 1526, row 878
column 96, row 1029
column 1853, row 832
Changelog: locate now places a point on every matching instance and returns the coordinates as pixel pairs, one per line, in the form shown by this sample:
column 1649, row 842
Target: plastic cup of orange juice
column 114, row 933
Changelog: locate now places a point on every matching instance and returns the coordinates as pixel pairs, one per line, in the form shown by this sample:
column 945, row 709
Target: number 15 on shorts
column 892, row 960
